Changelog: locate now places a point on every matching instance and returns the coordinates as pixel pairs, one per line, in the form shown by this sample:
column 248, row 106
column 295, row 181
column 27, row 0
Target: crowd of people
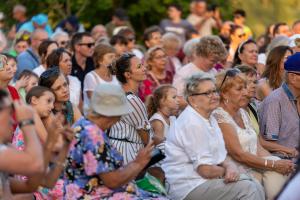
column 201, row 110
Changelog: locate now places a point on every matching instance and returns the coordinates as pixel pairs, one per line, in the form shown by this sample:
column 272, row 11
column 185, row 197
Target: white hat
column 293, row 39
column 110, row 100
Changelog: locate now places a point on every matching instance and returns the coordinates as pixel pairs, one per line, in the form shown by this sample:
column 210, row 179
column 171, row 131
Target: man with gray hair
column 208, row 52
column 62, row 38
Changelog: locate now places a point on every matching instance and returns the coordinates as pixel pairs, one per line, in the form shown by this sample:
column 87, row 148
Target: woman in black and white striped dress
column 133, row 131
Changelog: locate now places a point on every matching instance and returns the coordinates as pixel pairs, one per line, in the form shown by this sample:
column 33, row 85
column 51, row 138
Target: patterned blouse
column 90, row 155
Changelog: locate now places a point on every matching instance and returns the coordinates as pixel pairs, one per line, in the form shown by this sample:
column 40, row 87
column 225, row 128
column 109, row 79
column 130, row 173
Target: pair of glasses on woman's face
column 229, row 73
column 209, row 93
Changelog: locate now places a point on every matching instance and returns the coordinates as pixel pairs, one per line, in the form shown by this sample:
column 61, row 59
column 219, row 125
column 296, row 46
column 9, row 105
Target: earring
column 226, row 101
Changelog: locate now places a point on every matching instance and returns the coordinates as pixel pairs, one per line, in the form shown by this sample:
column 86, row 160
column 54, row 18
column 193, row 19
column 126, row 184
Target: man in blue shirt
column 29, row 59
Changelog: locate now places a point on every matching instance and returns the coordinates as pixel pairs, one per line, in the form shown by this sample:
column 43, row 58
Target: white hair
column 59, row 34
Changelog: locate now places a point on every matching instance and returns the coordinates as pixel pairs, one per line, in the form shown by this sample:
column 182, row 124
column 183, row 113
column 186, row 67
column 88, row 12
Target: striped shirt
column 124, row 136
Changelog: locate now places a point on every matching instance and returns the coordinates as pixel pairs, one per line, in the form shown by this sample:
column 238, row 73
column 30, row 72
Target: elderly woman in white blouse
column 196, row 164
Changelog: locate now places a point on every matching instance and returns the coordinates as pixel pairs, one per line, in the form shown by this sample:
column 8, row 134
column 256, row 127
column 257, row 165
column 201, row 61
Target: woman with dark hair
column 45, row 48
column 133, row 131
column 272, row 77
column 246, row 54
column 237, row 36
column 54, row 79
column 62, row 58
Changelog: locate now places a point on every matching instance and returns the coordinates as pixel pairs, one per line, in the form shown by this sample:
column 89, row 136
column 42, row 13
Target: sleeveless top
column 247, row 136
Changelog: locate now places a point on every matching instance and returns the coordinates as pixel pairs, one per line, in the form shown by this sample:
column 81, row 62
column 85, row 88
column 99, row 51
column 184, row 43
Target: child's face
column 13, row 65
column 44, row 104
column 171, row 101
column 33, row 81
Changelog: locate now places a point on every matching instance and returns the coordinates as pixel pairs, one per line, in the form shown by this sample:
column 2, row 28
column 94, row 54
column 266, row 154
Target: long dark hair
column 36, row 91
column 48, row 77
column 272, row 71
column 55, row 57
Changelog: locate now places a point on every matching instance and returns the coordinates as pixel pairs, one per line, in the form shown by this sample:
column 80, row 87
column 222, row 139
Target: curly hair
column 211, row 46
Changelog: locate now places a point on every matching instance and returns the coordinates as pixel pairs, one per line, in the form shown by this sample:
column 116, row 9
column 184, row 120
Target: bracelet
column 266, row 162
column 26, row 122
column 273, row 163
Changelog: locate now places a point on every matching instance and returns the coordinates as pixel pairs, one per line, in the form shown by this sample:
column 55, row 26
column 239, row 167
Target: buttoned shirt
column 192, row 141
column 279, row 118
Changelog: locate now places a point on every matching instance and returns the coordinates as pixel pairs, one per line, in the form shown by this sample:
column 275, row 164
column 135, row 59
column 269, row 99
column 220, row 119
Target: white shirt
column 185, row 72
column 75, row 89
column 39, row 70
column 192, row 141
column 91, row 80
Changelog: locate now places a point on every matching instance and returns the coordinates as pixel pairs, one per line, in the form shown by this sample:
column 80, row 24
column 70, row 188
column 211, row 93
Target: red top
column 14, row 96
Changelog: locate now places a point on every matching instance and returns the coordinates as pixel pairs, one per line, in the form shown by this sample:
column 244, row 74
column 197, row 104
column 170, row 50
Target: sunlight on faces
column 43, row 104
column 107, row 59
column 158, row 59
column 249, row 55
column 238, row 36
column 65, row 64
column 138, row 71
column 206, row 103
column 61, row 89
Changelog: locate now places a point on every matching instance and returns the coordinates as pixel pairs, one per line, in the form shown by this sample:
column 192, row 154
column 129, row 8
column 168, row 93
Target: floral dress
column 90, row 155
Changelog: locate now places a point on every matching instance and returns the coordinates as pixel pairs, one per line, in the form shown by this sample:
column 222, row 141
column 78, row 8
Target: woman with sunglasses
column 273, row 75
column 237, row 36
column 62, row 58
column 156, row 60
column 246, row 54
column 196, row 163
column 54, row 79
column 241, row 141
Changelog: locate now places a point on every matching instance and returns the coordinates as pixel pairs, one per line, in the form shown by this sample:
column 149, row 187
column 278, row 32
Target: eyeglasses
column 230, row 73
column 89, row 45
column 209, row 93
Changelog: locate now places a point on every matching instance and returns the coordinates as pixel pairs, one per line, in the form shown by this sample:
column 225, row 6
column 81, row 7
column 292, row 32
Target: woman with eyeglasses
column 62, row 58
column 246, row 54
column 156, row 61
column 237, row 36
column 196, row 163
column 54, row 79
column 45, row 49
column 104, row 57
column 132, row 132
column 272, row 77
column 241, row 140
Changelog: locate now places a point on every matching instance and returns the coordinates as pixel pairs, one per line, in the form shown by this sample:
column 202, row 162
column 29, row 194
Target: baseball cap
column 40, row 19
column 109, row 100
column 292, row 64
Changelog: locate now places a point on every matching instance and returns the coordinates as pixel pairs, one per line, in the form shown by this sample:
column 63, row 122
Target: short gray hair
column 58, row 34
column 193, row 82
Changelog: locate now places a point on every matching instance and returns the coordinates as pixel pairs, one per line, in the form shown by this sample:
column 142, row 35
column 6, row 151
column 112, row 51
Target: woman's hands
column 284, row 167
column 22, row 83
column 231, row 172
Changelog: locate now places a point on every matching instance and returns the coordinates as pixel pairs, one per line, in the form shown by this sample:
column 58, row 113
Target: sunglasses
column 229, row 73
column 209, row 93
column 89, row 45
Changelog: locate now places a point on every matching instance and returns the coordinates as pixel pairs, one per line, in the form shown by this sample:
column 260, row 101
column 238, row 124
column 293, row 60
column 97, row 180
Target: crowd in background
column 200, row 110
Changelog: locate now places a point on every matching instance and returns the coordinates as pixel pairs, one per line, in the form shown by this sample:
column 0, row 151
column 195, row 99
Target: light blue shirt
column 27, row 60
column 28, row 26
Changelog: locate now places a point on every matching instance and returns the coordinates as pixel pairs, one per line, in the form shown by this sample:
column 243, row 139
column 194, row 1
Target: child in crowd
column 25, row 82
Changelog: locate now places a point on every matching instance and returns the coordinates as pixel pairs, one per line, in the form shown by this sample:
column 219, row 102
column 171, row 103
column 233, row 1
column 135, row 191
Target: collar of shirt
column 288, row 92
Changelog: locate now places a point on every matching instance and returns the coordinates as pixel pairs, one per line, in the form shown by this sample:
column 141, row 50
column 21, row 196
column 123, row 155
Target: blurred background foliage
column 142, row 13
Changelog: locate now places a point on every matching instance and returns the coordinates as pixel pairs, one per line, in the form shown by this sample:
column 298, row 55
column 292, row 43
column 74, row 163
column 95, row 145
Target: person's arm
column 217, row 18
column 263, row 89
column 158, row 128
column 122, row 176
column 273, row 146
column 236, row 151
column 211, row 171
column 32, row 156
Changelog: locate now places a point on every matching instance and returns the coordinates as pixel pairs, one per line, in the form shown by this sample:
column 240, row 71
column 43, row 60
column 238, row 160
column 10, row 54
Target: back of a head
column 277, row 27
column 240, row 12
column 19, row 8
column 56, row 35
column 123, row 65
column 121, row 14
column 37, row 32
column 118, row 39
column 278, row 41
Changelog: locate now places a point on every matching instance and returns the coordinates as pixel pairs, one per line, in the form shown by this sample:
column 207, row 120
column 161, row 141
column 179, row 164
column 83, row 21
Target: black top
column 79, row 72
